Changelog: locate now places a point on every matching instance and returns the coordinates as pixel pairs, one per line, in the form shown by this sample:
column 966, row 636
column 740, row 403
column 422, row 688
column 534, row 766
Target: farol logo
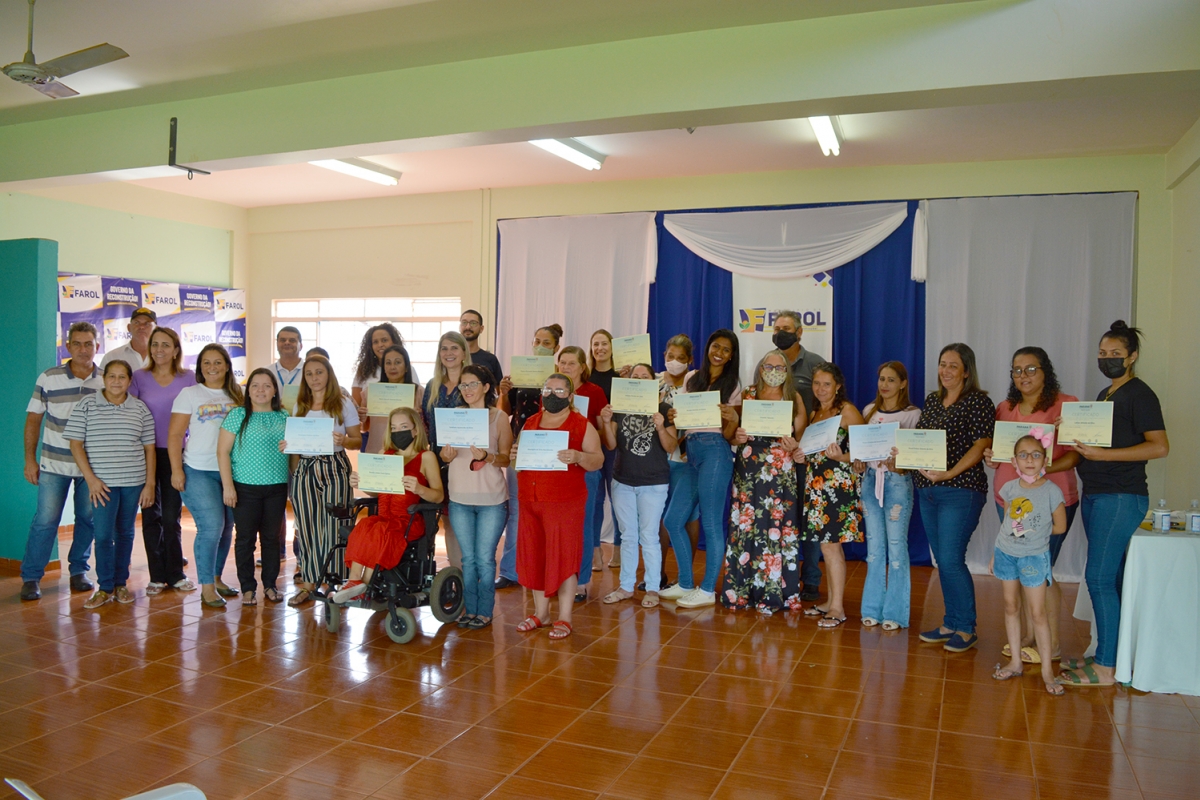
column 160, row 299
column 70, row 292
column 192, row 337
column 757, row 320
column 229, row 305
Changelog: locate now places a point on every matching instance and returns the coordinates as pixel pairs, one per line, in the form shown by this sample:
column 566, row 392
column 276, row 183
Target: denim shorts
column 1029, row 570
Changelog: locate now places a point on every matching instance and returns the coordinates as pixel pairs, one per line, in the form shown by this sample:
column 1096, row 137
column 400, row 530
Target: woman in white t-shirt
column 197, row 414
column 321, row 480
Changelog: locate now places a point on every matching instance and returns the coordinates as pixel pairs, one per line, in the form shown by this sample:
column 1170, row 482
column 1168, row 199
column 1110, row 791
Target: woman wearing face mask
column 381, row 540
column 677, row 359
column 254, row 479
column 709, row 474
column 396, row 369
column 951, row 501
column 550, row 547
column 601, row 372
column 762, row 568
column 573, row 363
column 368, row 368
column 520, row 405
column 320, row 481
column 1034, row 396
column 1115, row 496
column 198, row 412
column 480, row 505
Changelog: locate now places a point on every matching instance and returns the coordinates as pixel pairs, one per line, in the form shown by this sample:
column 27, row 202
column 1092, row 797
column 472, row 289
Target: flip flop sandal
column 1077, row 663
column 1072, row 679
column 300, row 598
column 829, row 623
column 1001, row 674
column 530, row 623
column 650, row 600
column 560, row 630
column 249, row 599
column 465, row 620
column 274, row 595
column 479, row 623
column 1055, row 689
column 814, row 612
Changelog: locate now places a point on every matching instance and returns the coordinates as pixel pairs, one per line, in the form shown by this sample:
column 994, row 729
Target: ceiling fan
column 44, row 77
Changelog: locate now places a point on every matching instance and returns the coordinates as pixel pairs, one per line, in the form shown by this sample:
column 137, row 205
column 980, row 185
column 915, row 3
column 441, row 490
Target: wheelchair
column 416, row 581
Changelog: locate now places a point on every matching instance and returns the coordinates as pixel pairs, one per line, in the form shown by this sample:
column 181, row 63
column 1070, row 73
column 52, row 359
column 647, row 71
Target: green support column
column 30, row 270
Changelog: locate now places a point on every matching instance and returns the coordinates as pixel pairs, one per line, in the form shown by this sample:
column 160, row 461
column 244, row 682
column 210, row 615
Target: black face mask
column 555, row 404
column 1112, row 368
column 401, row 440
column 784, row 339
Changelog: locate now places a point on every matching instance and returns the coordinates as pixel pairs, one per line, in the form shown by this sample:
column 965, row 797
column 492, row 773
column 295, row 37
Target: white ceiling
column 1124, row 125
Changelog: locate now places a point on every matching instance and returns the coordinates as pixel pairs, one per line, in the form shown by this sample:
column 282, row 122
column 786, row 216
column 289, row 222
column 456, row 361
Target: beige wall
column 1183, row 377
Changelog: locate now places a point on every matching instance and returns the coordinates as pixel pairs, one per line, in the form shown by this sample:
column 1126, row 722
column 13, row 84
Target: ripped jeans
column 888, row 587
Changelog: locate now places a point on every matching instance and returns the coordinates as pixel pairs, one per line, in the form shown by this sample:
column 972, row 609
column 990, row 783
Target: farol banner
column 199, row 314
column 756, row 301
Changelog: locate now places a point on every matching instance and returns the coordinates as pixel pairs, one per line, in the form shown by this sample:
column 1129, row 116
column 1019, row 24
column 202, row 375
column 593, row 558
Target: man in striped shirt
column 57, row 392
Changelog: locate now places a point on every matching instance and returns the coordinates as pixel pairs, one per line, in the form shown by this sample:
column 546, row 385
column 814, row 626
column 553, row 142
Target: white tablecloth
column 1159, row 645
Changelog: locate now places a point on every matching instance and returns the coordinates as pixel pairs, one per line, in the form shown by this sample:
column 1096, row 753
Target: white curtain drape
column 583, row 272
column 786, row 243
column 1009, row 272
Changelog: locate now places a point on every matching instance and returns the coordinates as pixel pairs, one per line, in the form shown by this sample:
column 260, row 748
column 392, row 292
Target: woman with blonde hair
column 442, row 392
column 324, row 479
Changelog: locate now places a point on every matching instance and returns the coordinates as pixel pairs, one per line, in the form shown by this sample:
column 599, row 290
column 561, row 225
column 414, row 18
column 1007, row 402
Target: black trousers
column 161, row 533
column 258, row 516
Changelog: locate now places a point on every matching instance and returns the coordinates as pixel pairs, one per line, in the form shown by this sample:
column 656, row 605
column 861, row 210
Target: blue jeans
column 508, row 561
column 707, row 481
column 606, row 482
column 478, row 529
column 43, row 533
column 204, row 498
column 1109, row 520
column 591, row 526
column 951, row 515
column 640, row 508
column 114, row 535
column 886, row 593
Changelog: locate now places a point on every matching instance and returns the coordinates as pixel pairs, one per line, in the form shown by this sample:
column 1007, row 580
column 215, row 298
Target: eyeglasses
column 1027, row 456
column 466, row 323
column 1030, row 371
column 775, row 368
column 473, row 385
column 547, row 391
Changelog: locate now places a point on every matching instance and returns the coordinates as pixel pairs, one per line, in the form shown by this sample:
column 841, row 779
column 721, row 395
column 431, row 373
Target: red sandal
column 560, row 630
column 530, row 623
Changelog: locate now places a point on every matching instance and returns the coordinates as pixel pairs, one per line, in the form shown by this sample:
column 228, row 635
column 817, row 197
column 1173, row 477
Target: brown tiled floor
column 663, row 703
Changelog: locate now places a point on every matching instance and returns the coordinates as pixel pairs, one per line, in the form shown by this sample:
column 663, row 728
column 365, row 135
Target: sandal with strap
column 815, row 612
column 530, row 623
column 1077, row 663
column 1002, row 674
column 249, row 598
column 650, row 600
column 1072, row 678
column 829, row 623
column 300, row 598
column 273, row 594
column 617, row 596
column 1055, row 689
column 560, row 630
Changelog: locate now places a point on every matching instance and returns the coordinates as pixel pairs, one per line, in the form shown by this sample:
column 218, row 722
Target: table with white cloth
column 1159, row 645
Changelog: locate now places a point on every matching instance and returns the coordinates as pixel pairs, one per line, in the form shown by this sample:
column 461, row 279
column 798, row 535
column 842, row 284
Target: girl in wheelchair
column 380, row 539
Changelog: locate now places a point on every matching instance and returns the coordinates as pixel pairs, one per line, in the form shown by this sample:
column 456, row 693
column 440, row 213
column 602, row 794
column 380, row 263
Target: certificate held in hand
column 634, row 396
column 819, row 435
column 309, row 436
column 462, row 427
column 537, row 451
column 768, row 417
column 873, row 442
column 384, row 398
column 1089, row 423
column 381, row 474
column 697, row 409
column 630, row 350
column 530, row 372
column 921, row 449
column 1006, row 435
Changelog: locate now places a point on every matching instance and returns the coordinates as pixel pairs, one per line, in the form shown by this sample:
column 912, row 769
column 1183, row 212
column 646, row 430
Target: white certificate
column 309, row 436
column 288, row 396
column 384, row 398
column 1006, row 434
column 873, row 442
column 819, row 435
column 697, row 409
column 769, row 417
column 530, row 372
column 581, row 404
column 634, row 396
column 381, row 474
column 630, row 350
column 538, row 450
column 1089, row 423
column 921, row 449
column 462, row 427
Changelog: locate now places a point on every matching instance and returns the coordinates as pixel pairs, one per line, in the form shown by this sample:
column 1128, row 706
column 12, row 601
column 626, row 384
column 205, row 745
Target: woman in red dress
column 381, row 540
column 553, row 503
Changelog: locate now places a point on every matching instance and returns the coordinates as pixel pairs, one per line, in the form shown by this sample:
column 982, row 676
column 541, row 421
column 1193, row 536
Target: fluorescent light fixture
column 826, row 134
column 361, row 168
column 573, row 151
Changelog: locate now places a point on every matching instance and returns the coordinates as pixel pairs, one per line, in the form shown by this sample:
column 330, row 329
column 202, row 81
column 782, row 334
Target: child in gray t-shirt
column 1033, row 509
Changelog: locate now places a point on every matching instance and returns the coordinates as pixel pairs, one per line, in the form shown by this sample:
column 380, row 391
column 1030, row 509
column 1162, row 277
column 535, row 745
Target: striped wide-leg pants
column 319, row 480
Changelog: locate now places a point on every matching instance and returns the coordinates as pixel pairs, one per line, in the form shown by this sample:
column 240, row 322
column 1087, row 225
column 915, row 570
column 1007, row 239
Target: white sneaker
column 673, row 592
column 696, row 598
column 348, row 593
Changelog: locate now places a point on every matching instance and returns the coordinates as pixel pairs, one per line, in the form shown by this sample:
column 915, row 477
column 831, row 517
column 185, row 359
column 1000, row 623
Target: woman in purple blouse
column 156, row 386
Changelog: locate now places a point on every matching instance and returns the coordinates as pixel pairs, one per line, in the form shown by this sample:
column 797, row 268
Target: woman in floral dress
column 832, row 508
column 761, row 569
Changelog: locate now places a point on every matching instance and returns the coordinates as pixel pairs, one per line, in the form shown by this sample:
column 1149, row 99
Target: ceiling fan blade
column 83, row 59
column 54, row 89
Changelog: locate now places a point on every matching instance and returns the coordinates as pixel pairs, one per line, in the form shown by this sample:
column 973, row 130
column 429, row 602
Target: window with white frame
column 338, row 325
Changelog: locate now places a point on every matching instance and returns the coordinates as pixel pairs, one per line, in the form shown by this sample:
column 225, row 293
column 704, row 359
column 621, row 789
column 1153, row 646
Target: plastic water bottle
column 1162, row 518
column 1193, row 518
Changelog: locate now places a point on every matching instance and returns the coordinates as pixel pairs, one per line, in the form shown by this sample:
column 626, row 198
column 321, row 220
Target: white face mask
column 676, row 367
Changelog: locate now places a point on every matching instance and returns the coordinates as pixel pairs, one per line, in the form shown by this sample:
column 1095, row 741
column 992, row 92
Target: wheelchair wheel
column 446, row 596
column 333, row 617
column 401, row 626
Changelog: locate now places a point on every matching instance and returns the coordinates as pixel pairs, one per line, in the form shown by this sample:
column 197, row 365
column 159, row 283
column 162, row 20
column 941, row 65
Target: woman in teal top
column 254, row 477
